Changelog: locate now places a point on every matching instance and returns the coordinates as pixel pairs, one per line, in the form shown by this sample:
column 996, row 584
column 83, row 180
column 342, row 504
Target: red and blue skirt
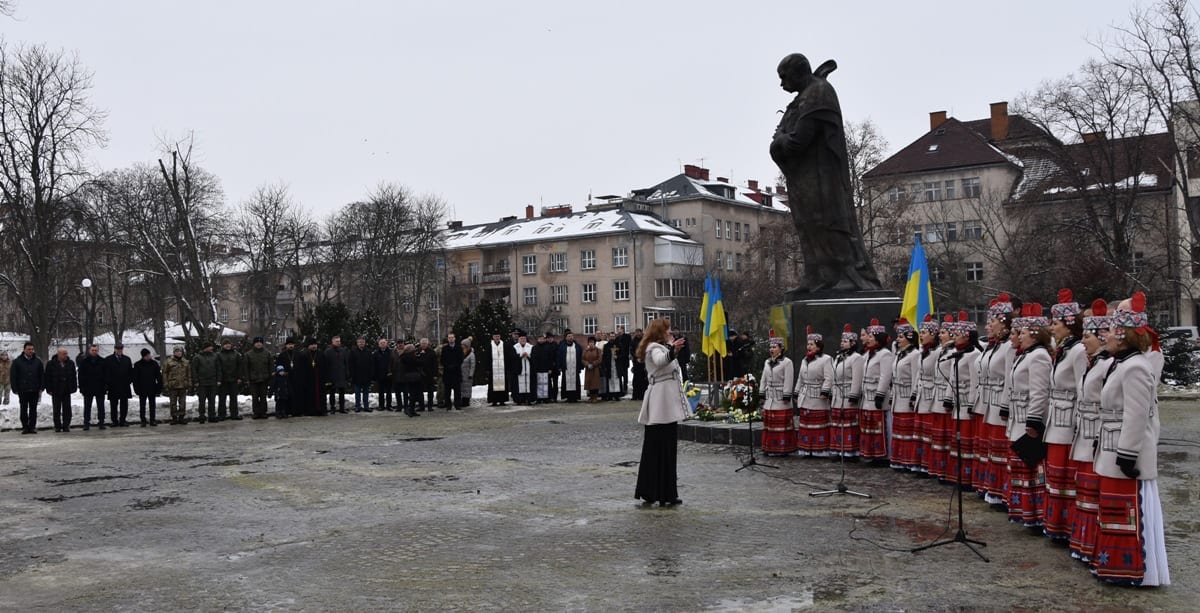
column 813, row 434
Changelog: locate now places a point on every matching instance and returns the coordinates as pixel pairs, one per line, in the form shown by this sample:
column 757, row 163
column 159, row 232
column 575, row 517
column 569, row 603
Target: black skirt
column 656, row 472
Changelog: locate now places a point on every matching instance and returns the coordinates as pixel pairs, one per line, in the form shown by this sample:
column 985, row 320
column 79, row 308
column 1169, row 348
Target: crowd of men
column 305, row 380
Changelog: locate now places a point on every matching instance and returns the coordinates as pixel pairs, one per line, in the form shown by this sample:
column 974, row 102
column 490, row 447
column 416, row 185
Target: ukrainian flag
column 918, row 292
column 705, row 307
column 781, row 323
column 715, row 325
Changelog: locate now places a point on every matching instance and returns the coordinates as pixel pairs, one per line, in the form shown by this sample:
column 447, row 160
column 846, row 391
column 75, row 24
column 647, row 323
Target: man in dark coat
column 495, row 358
column 361, row 369
column 640, row 380
column 307, row 380
column 60, row 384
column 90, row 371
column 383, row 375
column 206, row 376
column 569, row 362
column 337, row 374
column 623, row 341
column 683, row 354
column 233, row 372
column 451, row 359
column 260, row 369
column 544, row 356
column 730, row 365
column 28, row 381
column 118, row 377
column 147, row 384
column 287, row 359
column 428, row 360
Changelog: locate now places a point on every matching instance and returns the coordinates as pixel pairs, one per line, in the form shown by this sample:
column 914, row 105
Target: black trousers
column 384, row 388
column 61, row 406
column 118, row 410
column 656, row 472
column 338, row 393
column 227, row 391
column 427, row 388
column 143, row 401
column 87, row 408
column 28, row 402
column 451, row 388
column 258, row 399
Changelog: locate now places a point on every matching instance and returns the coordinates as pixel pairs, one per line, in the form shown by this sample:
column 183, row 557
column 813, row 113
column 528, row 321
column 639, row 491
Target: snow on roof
column 1142, row 180
column 676, row 239
column 575, row 225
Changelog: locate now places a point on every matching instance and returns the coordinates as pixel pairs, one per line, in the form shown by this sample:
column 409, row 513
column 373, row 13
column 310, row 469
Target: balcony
column 492, row 279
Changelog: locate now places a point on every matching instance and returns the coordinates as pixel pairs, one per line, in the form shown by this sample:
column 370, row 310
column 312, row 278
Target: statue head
column 794, row 72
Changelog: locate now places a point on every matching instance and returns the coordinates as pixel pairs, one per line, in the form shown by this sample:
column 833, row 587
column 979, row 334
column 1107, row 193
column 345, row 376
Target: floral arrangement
column 741, row 393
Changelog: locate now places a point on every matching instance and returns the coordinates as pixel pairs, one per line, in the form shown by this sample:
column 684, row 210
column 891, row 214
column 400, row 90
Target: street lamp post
column 86, row 283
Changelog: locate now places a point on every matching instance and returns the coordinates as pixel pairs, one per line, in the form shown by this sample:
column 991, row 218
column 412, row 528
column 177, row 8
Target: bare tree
column 46, row 124
column 425, row 244
column 8, row 7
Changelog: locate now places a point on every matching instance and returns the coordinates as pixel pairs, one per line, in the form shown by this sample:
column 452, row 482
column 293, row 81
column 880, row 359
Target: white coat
column 877, row 377
column 1029, row 389
column 814, row 379
column 905, row 377
column 1064, row 393
column 847, row 380
column 1087, row 410
column 997, row 365
column 664, row 402
column 1129, row 425
column 961, row 372
column 927, row 380
column 776, row 384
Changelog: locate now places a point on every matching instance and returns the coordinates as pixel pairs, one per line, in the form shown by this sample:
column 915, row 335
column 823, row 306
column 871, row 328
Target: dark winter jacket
column 147, row 377
column 561, row 358
column 411, row 367
column 177, row 374
column 452, row 357
column 118, row 376
column 233, row 366
column 381, row 365
column 544, row 357
column 280, row 387
column 90, row 370
column 360, row 365
column 27, row 374
column 260, row 365
column 337, row 366
column 206, row 369
column 60, row 377
column 429, row 363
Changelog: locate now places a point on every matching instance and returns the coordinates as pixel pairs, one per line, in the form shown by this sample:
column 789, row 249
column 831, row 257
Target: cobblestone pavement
column 513, row 509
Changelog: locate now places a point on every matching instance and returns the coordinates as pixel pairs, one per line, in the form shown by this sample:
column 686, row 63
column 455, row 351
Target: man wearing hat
column 308, row 396
column 118, row 376
column 177, row 378
column 147, row 383
column 233, row 372
column 260, row 367
column 206, row 374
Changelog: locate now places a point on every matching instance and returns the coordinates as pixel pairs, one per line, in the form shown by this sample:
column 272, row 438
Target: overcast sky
column 495, row 105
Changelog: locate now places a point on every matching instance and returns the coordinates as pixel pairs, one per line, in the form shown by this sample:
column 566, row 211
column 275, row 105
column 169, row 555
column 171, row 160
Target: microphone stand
column 841, row 488
column 960, row 536
column 752, row 461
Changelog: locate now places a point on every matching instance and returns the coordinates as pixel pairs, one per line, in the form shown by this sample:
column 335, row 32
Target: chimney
column 752, row 184
column 723, row 179
column 781, row 190
column 556, row 211
column 529, row 211
column 1094, row 137
column 695, row 172
column 454, row 225
column 936, row 118
column 767, row 189
column 999, row 121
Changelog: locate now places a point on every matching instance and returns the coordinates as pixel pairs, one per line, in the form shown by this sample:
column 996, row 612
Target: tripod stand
column 960, row 536
column 752, row 461
column 841, row 488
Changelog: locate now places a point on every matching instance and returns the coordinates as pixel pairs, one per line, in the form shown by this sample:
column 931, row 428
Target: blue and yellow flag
column 781, row 323
column 918, row 292
column 705, row 306
column 715, row 325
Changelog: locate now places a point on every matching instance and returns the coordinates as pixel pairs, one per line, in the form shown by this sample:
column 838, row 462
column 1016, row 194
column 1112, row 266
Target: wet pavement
column 515, row 509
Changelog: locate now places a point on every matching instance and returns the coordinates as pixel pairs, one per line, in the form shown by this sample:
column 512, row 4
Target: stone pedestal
column 827, row 313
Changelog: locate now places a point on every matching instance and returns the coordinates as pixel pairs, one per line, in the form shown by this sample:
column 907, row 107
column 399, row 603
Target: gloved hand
column 827, row 395
column 1004, row 413
column 1128, row 466
column 878, row 401
column 853, row 400
column 948, row 405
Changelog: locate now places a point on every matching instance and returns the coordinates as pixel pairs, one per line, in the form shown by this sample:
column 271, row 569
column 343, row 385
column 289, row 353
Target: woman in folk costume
column 1084, row 521
column 1029, row 401
column 847, row 396
column 814, row 383
column 662, row 409
column 942, row 422
column 877, row 384
column 961, row 401
column 1129, row 545
column 926, row 393
column 992, row 440
column 905, row 378
column 1058, row 425
column 501, row 359
column 779, row 431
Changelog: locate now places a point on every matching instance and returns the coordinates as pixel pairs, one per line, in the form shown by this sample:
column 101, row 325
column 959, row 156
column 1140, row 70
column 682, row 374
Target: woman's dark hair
column 1074, row 328
column 820, row 345
column 912, row 337
column 1041, row 336
column 882, row 339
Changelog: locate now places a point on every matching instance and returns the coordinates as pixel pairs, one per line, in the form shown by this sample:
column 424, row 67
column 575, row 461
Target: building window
column 558, row 262
column 558, row 294
column 620, row 290
column 917, row 190
column 737, row 231
column 975, row 272
column 918, row 233
column 937, row 274
column 245, row 313
column 934, row 233
column 678, row 288
column 895, row 194
column 100, row 316
column 621, row 320
column 970, row 187
column 900, row 274
column 737, row 262
column 589, row 292
column 224, row 316
column 952, row 231
column 591, row 324
column 719, row 260
column 593, row 224
column 473, row 272
column 972, row 230
column 933, row 191
column 620, row 257
column 530, row 296
column 529, row 264
column 1138, row 263
column 728, row 260
column 719, row 227
column 729, row 230
column 587, row 259
column 949, row 190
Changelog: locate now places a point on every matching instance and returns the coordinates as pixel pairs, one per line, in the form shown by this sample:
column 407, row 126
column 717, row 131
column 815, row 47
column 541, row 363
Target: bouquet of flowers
column 738, row 416
column 741, row 393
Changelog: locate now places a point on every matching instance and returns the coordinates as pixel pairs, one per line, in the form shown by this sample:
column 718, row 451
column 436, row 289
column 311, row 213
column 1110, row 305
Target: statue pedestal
column 827, row 312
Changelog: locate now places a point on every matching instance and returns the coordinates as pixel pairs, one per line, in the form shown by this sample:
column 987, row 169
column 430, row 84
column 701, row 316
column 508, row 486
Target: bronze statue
column 810, row 148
